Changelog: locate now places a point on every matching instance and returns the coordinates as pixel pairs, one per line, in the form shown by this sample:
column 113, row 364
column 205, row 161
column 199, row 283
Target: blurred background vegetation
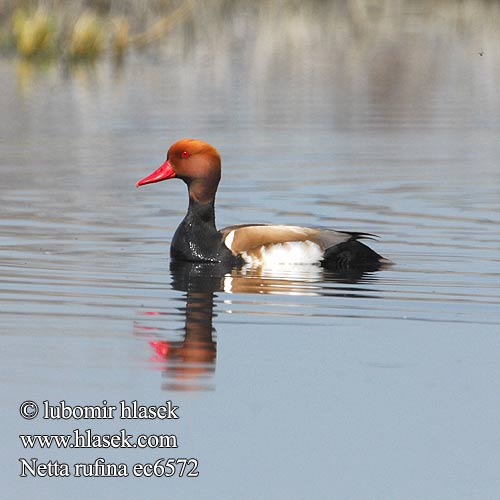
column 83, row 30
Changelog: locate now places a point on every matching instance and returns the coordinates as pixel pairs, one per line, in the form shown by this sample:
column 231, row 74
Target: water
column 293, row 384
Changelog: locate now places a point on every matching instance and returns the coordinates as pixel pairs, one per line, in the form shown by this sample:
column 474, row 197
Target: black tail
column 352, row 254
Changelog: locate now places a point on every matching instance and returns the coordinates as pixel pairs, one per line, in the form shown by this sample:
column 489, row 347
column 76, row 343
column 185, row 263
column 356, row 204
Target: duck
column 197, row 239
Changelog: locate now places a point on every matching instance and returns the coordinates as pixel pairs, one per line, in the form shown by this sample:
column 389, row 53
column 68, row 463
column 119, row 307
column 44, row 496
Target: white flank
column 292, row 252
column 228, row 241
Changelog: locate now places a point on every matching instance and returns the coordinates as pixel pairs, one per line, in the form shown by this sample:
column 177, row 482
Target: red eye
column 185, row 154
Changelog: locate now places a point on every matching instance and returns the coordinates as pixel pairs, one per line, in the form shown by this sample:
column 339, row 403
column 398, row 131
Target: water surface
column 293, row 384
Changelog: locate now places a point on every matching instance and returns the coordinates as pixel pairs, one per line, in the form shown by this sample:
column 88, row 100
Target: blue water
column 292, row 384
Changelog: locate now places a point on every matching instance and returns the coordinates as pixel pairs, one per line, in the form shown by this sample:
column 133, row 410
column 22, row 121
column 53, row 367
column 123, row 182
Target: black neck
column 201, row 213
column 197, row 239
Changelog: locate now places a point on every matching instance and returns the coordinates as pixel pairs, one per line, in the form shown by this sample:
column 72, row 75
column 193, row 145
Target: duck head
column 197, row 163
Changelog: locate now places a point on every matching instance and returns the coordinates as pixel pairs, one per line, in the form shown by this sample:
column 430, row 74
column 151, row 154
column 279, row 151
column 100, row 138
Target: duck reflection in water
column 188, row 363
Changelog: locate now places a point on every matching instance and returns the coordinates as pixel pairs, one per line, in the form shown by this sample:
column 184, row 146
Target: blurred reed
column 88, row 29
column 34, row 32
column 87, row 37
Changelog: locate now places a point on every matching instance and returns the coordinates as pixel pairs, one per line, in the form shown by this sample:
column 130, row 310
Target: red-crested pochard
column 197, row 239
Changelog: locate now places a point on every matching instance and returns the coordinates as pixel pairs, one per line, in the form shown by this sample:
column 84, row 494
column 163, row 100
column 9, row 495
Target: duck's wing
column 247, row 237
